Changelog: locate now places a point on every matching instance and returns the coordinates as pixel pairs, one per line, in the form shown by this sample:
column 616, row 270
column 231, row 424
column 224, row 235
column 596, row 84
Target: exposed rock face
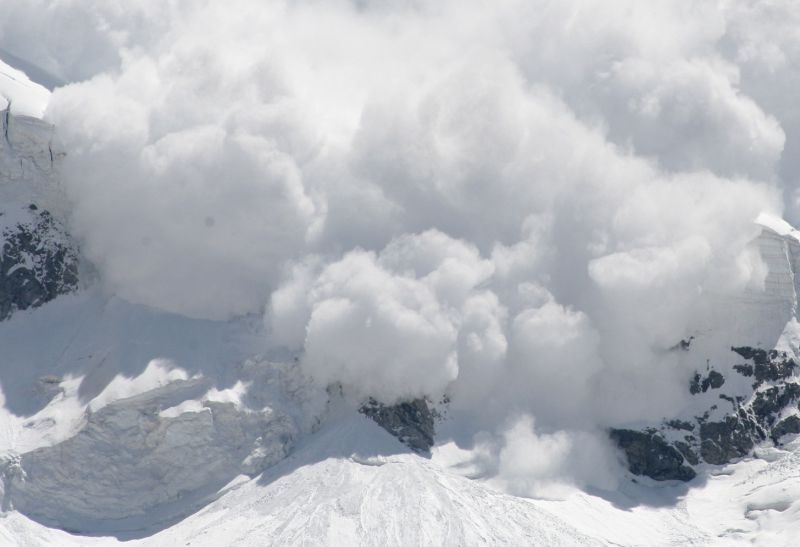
column 766, row 365
column 714, row 380
column 139, row 457
column 38, row 260
column 721, row 442
column 786, row 427
column 664, row 452
column 648, row 454
column 411, row 422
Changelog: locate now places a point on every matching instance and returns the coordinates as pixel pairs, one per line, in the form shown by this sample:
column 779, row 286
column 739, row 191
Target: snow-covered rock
column 746, row 397
column 38, row 259
column 411, row 422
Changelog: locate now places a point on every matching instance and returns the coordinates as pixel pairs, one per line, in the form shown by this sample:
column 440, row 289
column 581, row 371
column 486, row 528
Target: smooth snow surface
column 26, row 98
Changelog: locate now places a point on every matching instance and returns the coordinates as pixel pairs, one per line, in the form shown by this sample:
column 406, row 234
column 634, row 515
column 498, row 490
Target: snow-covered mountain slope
column 350, row 484
column 101, row 439
column 353, row 484
column 128, row 425
column 29, row 160
column 123, row 424
column 745, row 391
column 751, row 502
column 18, row 92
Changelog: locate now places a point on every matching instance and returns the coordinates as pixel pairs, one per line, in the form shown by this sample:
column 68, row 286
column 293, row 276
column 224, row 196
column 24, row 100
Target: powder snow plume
column 522, row 204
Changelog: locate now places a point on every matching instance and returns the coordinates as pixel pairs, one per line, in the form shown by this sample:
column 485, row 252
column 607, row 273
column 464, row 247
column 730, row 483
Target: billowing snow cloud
column 518, row 203
column 388, row 325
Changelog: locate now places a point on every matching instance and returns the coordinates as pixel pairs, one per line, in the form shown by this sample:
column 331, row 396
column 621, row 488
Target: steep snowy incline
column 743, row 387
column 758, row 316
column 26, row 98
column 353, row 484
column 29, row 161
column 350, row 484
column 779, row 245
column 110, row 424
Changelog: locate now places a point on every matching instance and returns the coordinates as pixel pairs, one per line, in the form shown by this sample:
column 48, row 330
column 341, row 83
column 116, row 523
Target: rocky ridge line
column 670, row 451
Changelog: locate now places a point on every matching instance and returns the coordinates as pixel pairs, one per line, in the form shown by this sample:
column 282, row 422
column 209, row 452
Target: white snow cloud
column 516, row 202
column 532, row 463
column 387, row 325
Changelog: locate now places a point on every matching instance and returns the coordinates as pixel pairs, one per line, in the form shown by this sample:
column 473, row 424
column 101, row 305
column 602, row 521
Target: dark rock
column 785, row 427
column 687, row 452
column 37, row 262
column 751, row 419
column 771, row 401
column 411, row 422
column 721, row 442
column 684, row 344
column 714, row 380
column 767, row 366
column 650, row 455
column 758, row 355
column 694, row 385
column 681, row 424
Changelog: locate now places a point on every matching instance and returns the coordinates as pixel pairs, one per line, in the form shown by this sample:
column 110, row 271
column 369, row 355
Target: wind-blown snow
column 213, row 169
column 518, row 206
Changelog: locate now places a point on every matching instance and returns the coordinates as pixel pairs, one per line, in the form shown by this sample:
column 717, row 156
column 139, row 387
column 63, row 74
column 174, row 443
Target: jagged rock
column 681, row 424
column 37, row 261
column 694, row 385
column 684, row 344
column 687, row 452
column 769, row 365
column 751, row 421
column 721, row 442
column 713, row 380
column 411, row 422
column 771, row 401
column 650, row 455
column 785, row 427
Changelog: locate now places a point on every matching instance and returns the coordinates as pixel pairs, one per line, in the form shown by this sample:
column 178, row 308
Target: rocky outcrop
column 411, row 422
column 768, row 413
column 766, row 366
column 731, row 438
column 714, row 380
column 38, row 260
column 787, row 426
column 650, row 455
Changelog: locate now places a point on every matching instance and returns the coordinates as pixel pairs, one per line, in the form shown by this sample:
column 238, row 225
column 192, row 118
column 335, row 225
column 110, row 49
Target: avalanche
column 398, row 275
